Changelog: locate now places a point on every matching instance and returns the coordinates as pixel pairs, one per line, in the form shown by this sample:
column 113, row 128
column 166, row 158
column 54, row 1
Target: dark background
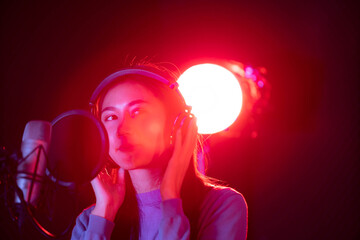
column 300, row 176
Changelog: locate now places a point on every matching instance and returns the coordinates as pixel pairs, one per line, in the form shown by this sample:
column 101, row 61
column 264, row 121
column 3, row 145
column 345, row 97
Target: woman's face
column 135, row 121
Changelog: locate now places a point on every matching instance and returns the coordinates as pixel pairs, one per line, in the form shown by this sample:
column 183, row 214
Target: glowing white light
column 214, row 94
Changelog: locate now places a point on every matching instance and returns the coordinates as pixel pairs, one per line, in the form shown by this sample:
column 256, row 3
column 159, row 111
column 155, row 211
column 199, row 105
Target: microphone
column 32, row 166
column 30, row 173
column 51, row 178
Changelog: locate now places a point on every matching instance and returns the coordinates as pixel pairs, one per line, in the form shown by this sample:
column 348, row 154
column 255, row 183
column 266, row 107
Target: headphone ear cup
column 181, row 122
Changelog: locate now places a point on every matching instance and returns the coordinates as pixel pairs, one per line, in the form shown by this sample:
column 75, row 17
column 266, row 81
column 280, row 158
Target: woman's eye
column 110, row 118
column 135, row 112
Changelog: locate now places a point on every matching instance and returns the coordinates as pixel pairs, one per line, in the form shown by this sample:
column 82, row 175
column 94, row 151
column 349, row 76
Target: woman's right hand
column 109, row 191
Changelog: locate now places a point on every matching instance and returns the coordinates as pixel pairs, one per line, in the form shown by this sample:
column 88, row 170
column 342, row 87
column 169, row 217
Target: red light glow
column 214, row 94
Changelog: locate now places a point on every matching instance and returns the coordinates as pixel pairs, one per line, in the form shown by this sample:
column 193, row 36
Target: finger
column 186, row 146
column 106, row 177
column 179, row 138
column 191, row 135
column 121, row 176
column 193, row 129
column 114, row 176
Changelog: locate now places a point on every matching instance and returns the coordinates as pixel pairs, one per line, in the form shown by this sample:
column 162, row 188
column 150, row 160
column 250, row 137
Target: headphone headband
column 131, row 71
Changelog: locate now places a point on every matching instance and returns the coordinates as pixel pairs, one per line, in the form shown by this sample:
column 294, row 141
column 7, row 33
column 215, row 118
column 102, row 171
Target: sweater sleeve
column 223, row 215
column 174, row 223
column 92, row 227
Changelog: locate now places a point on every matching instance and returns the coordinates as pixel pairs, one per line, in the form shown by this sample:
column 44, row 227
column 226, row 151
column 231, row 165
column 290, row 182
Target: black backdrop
column 300, row 176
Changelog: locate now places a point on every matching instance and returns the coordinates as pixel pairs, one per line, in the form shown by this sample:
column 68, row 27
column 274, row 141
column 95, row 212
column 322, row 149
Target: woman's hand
column 184, row 146
column 109, row 190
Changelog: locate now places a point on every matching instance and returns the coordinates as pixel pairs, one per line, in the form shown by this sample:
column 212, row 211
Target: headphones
column 182, row 117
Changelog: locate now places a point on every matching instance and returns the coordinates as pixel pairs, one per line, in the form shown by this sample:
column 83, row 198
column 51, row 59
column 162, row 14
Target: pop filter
column 78, row 148
column 74, row 155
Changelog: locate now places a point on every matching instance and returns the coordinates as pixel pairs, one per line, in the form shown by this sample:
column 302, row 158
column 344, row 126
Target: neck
column 146, row 180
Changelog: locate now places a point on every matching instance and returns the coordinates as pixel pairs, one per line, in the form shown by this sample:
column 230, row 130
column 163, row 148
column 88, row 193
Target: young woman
column 155, row 190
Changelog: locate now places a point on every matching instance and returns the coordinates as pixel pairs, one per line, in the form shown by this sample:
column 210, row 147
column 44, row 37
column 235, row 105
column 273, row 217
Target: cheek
column 109, row 132
column 111, row 137
column 152, row 131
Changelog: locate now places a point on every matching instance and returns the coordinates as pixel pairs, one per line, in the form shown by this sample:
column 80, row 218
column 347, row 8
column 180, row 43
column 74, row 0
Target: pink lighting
column 214, row 94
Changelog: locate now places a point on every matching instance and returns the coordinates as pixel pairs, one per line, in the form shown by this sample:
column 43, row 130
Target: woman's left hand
column 184, row 147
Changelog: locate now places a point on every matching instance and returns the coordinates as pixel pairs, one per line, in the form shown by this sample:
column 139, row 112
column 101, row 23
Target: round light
column 214, row 94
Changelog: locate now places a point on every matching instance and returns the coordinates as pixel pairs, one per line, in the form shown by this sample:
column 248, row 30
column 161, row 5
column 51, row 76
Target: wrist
column 169, row 194
column 107, row 211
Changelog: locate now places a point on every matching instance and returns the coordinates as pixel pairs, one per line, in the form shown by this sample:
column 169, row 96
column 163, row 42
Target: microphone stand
column 21, row 211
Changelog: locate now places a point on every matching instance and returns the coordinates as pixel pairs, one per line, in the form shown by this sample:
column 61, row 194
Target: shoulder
column 219, row 196
column 223, row 214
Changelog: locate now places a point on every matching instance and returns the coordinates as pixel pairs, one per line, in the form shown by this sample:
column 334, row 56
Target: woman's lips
column 124, row 145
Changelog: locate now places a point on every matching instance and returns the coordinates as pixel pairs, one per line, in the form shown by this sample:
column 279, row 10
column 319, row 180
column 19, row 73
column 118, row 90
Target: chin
column 138, row 161
column 126, row 165
column 124, row 161
column 128, row 162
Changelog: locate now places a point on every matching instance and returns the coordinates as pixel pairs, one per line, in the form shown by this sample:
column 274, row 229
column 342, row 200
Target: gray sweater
column 223, row 216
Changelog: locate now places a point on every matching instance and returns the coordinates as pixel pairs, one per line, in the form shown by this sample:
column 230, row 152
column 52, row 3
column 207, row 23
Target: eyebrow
column 130, row 104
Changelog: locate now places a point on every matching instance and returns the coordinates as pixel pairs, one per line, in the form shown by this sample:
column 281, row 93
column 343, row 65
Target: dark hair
column 195, row 185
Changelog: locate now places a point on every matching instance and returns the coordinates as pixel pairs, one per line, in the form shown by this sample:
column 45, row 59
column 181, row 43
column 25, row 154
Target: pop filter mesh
column 78, row 147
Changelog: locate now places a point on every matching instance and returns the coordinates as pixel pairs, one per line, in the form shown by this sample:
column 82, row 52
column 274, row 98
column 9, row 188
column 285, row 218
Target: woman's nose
column 123, row 126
